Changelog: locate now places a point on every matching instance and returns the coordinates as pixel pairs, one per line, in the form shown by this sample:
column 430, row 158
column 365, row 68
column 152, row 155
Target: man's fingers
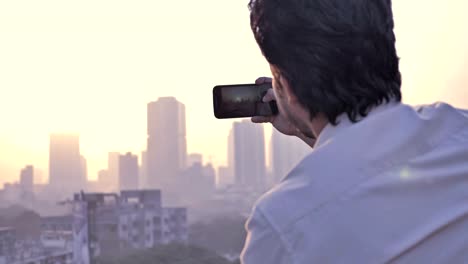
column 263, row 80
column 269, row 96
column 261, row 119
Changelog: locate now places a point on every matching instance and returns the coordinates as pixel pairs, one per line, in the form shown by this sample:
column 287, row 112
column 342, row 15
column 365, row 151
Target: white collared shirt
column 392, row 188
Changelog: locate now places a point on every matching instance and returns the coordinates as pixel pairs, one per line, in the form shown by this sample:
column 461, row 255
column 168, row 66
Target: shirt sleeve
column 263, row 243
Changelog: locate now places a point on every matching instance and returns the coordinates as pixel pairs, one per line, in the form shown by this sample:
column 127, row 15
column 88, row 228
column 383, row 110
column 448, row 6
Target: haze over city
column 110, row 151
column 91, row 68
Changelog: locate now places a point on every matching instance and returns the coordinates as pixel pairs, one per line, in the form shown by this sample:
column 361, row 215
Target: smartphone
column 242, row 100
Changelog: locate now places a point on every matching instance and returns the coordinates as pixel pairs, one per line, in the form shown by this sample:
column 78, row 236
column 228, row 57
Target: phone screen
column 242, row 100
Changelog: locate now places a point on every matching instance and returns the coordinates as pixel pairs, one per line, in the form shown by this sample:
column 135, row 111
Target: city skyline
column 127, row 56
column 126, row 171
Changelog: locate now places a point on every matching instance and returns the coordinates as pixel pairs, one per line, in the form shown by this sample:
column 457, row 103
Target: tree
column 225, row 235
column 168, row 254
column 26, row 222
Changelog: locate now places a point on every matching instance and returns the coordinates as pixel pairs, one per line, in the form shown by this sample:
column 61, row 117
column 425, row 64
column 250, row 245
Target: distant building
column 112, row 182
column 65, row 164
column 131, row 220
column 56, row 223
column 230, row 151
column 194, row 158
column 7, row 245
column 27, row 179
column 286, row 152
column 12, row 192
column 103, row 180
column 93, row 186
column 65, row 257
column 224, row 177
column 249, row 155
column 197, row 183
column 144, row 170
column 210, row 177
column 53, row 247
column 38, row 176
column 128, row 172
column 166, row 143
column 84, row 168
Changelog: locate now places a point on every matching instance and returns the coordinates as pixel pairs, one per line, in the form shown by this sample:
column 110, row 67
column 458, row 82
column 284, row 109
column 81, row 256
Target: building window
column 157, row 236
column 157, row 220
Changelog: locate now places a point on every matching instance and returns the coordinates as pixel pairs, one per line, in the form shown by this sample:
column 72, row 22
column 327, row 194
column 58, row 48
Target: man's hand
column 279, row 121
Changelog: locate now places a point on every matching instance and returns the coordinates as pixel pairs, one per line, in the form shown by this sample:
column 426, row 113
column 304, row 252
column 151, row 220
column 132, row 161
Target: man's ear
column 282, row 85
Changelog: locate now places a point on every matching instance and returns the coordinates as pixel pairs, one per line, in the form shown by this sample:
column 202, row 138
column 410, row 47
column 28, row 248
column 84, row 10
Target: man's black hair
column 338, row 56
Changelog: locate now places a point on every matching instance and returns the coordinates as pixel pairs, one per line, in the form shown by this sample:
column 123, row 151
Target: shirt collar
column 329, row 131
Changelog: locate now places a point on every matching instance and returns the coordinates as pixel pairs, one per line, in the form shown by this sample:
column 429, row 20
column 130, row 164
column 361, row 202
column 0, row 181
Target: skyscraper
column 112, row 182
column 128, row 172
column 230, row 154
column 103, row 179
column 38, row 176
column 286, row 152
column 144, row 170
column 166, row 144
column 249, row 155
column 225, row 176
column 84, row 168
column 65, row 169
column 27, row 179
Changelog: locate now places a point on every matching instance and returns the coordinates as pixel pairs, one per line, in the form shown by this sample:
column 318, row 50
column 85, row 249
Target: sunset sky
column 90, row 67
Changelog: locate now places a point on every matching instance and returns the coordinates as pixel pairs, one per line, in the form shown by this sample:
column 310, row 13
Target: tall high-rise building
column 103, row 179
column 144, row 170
column 230, row 150
column 38, row 176
column 227, row 174
column 166, row 143
column 249, row 155
column 27, row 178
column 84, row 168
column 128, row 172
column 286, row 152
column 65, row 169
column 112, row 182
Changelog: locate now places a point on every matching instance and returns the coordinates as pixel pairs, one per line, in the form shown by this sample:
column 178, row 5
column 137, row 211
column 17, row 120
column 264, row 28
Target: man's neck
column 318, row 124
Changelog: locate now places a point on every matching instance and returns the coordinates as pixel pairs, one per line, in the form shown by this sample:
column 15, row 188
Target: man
column 385, row 182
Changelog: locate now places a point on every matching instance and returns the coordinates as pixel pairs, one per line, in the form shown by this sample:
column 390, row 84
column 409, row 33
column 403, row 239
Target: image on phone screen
column 242, row 100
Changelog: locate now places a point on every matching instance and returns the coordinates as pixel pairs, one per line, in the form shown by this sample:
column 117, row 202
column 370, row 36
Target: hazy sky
column 92, row 66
